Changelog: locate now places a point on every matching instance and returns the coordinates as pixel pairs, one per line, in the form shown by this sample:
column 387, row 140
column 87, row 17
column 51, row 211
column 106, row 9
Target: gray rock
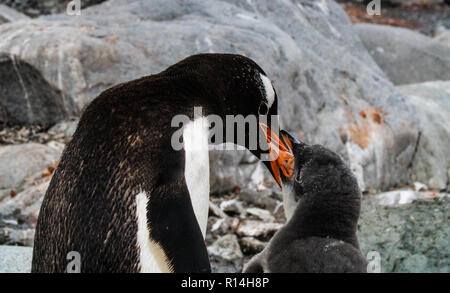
column 444, row 38
column 222, row 226
column 261, row 214
column 17, row 236
column 66, row 127
column 226, row 173
column 261, row 199
column 419, row 186
column 409, row 2
column 232, row 206
column 10, row 15
column 28, row 202
column 257, row 229
column 251, row 245
column 225, row 255
column 404, row 196
column 20, row 165
column 58, row 146
column 431, row 163
column 35, row 8
column 322, row 72
column 15, row 259
column 26, row 97
column 412, row 237
column 226, row 247
column 215, row 210
column 404, row 55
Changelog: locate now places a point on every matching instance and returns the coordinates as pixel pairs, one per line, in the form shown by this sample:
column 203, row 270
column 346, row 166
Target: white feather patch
column 289, row 203
column 270, row 93
column 195, row 138
column 152, row 257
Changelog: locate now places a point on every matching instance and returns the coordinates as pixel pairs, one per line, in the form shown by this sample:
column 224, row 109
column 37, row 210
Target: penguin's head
column 248, row 92
column 320, row 177
column 235, row 87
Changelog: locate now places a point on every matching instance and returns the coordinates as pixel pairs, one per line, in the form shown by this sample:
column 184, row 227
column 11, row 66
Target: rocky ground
column 409, row 226
column 386, row 90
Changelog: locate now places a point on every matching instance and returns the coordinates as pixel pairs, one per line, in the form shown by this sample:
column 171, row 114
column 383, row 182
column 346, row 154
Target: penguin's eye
column 263, row 109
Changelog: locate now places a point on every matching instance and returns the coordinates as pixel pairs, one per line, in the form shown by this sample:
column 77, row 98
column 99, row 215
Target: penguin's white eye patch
column 268, row 88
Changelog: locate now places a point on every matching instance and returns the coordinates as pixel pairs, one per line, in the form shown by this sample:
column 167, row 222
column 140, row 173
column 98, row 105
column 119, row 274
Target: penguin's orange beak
column 281, row 154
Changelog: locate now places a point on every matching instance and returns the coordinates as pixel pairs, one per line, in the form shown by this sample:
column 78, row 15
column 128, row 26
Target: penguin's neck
column 196, row 172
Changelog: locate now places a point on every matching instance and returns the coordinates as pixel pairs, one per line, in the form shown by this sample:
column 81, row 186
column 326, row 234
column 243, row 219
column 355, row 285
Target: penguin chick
column 320, row 236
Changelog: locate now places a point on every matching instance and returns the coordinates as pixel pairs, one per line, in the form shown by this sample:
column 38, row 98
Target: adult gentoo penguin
column 320, row 236
column 122, row 196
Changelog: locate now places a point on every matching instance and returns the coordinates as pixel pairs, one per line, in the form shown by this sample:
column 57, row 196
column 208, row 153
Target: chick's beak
column 281, row 156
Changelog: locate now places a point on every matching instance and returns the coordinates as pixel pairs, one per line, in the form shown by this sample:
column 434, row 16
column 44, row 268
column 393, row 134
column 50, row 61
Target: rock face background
column 35, row 8
column 27, row 97
column 373, row 127
column 406, row 56
column 432, row 101
column 334, row 80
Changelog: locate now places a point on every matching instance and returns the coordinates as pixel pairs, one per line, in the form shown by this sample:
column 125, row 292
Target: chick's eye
column 263, row 109
column 298, row 177
column 298, row 185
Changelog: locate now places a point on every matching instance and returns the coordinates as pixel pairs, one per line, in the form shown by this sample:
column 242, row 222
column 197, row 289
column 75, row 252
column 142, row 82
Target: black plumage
column 122, row 147
column 320, row 237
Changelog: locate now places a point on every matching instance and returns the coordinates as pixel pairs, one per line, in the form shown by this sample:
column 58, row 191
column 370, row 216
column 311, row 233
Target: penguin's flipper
column 173, row 225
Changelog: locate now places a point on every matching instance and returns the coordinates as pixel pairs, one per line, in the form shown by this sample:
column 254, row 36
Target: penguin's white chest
column 195, row 138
